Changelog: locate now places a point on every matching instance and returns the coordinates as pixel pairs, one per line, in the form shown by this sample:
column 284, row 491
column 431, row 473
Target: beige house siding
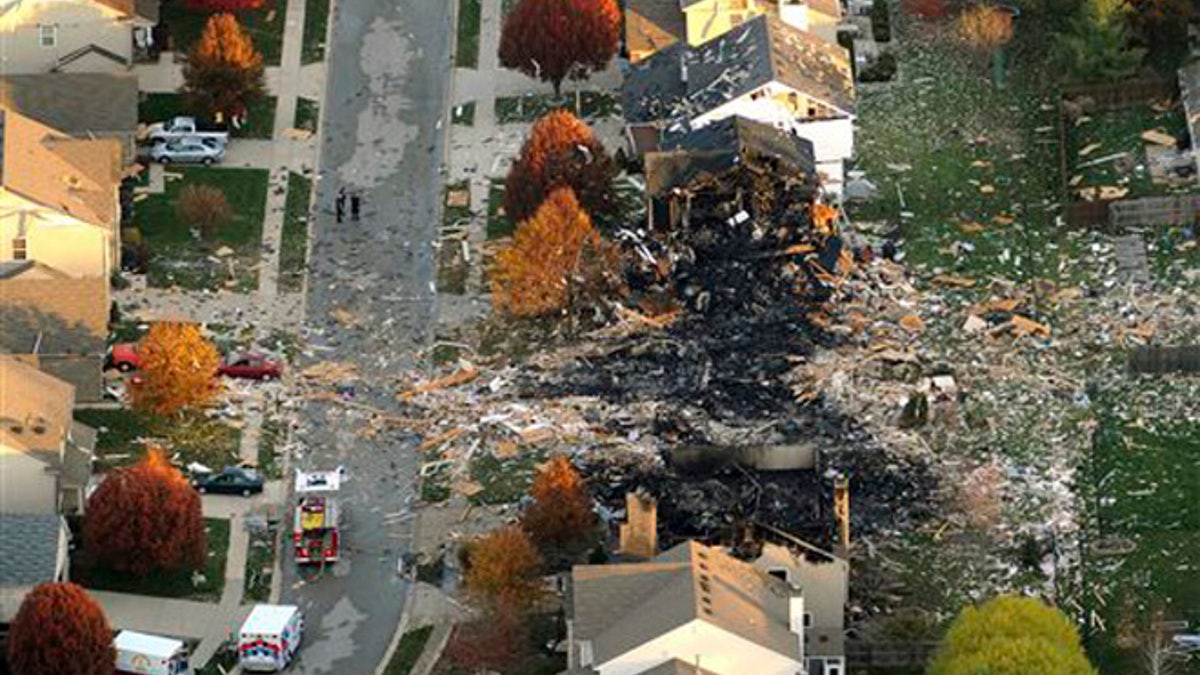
column 77, row 24
column 26, row 484
column 55, row 239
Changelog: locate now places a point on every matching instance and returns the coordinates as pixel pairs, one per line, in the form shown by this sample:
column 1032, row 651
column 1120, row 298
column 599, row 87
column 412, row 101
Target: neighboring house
column 55, row 322
column 695, row 607
column 74, row 36
column 45, row 466
column 34, row 550
column 1189, row 89
column 59, row 198
column 765, row 70
column 653, row 25
column 825, row 580
column 45, row 456
column 84, row 105
column 717, row 164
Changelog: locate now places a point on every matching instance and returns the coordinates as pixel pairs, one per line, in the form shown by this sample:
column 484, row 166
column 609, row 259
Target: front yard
column 264, row 25
column 124, row 435
column 229, row 259
column 260, row 117
column 166, row 585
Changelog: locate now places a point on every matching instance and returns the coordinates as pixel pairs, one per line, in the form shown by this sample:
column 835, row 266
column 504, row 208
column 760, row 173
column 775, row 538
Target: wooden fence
column 1099, row 98
column 1165, row 360
column 1170, row 211
column 864, row 654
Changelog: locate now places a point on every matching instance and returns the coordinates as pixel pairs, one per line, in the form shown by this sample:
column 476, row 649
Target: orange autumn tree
column 145, row 518
column 223, row 73
column 503, row 568
column 561, row 512
column 553, row 253
column 558, row 39
column 561, row 150
column 178, row 367
column 60, row 629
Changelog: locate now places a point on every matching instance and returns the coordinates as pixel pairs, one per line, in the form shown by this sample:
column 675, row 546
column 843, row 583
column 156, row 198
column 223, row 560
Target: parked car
column 232, row 480
column 189, row 150
column 251, row 366
column 179, row 128
column 123, row 356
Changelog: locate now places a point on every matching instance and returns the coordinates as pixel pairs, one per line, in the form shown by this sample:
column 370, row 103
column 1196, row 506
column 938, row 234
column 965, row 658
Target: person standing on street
column 355, row 204
column 340, row 203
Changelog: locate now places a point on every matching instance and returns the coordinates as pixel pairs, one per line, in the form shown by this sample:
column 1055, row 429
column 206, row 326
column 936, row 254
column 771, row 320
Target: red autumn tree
column 177, row 370
column 561, row 151
column 556, row 39
column 555, row 255
column 223, row 73
column 497, row 642
column 145, row 518
column 503, row 568
column 927, row 9
column 561, row 512
column 60, row 629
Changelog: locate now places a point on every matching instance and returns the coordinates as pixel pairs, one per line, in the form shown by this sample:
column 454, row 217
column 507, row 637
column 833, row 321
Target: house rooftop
column 74, row 176
column 651, row 25
column 47, row 312
column 618, row 607
column 147, row 10
column 74, row 103
column 29, row 548
column 681, row 83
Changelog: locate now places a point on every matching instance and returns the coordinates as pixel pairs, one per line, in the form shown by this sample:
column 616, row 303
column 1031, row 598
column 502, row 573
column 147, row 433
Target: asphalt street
column 382, row 138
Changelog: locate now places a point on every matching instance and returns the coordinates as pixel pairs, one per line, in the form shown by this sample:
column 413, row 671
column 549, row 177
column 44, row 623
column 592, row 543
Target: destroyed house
column 695, row 605
column 765, row 70
column 703, row 167
column 1189, row 89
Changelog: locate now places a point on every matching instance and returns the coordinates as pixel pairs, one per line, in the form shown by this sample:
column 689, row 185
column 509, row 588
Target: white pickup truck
column 178, row 128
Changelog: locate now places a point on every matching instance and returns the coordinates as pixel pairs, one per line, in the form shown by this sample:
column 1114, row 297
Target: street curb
column 401, row 628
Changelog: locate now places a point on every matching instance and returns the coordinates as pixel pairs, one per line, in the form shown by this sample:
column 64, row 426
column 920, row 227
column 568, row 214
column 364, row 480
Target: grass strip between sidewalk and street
column 412, row 645
column 466, row 53
column 316, row 26
column 293, row 246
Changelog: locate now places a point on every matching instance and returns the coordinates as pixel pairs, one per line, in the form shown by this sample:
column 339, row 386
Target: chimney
column 841, row 511
column 683, row 75
column 638, row 535
column 794, row 13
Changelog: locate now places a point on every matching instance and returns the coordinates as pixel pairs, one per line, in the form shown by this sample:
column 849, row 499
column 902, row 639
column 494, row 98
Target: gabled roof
column 651, row 25
column 74, row 176
column 35, row 408
column 618, row 607
column 44, row 311
column 29, row 548
column 143, row 9
column 75, row 103
column 680, row 82
column 718, row 147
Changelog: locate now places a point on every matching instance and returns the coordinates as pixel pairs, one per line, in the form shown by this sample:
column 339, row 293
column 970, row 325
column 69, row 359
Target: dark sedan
column 233, row 480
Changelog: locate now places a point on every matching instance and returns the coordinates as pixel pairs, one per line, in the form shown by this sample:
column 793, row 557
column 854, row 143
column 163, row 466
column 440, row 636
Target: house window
column 20, row 249
column 48, row 35
column 808, row 620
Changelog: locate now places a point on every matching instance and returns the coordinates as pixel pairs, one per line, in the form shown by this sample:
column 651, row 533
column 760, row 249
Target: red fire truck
column 315, row 528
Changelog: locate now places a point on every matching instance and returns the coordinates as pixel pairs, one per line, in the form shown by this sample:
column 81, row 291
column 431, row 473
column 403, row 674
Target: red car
column 251, row 366
column 124, row 357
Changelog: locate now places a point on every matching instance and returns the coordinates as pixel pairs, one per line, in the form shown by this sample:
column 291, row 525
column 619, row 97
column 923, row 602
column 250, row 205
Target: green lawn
column 260, row 117
column 316, row 25
column 1142, row 489
column 466, row 53
column 955, row 159
column 193, row 438
column 463, row 115
column 587, row 105
column 271, row 437
column 498, row 224
column 408, row 651
column 307, row 114
column 293, row 251
column 179, row 258
column 161, row 584
column 1103, row 134
column 504, row 481
column 265, row 26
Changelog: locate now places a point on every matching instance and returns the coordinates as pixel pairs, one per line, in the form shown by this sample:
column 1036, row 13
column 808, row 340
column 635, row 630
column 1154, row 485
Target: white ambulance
column 270, row 637
column 144, row 654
